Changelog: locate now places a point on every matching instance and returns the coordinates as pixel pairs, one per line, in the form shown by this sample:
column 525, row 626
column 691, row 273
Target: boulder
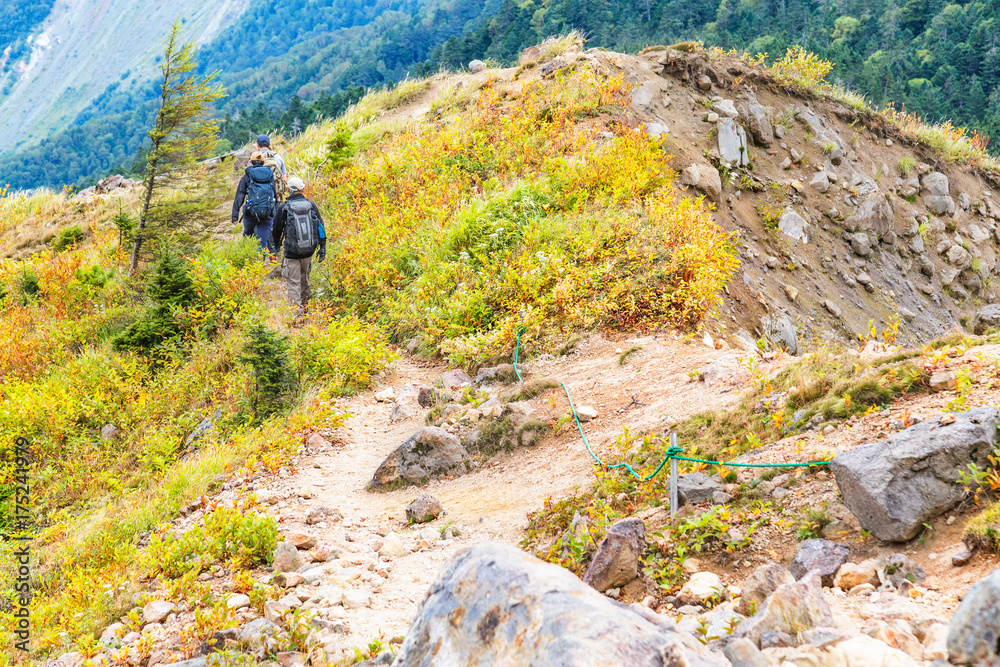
column 696, row 487
column 157, row 610
column 820, row 182
column 262, row 636
column 894, row 486
column 700, row 587
column 428, row 396
column 394, row 546
column 492, row 604
column 424, row 508
column 940, row 205
column 936, row 184
column 703, row 177
column 850, row 575
column 873, row 215
column 286, row 558
column 987, row 317
column 742, row 653
column 941, row 381
column 616, row 561
column 477, row 66
column 323, row 514
column 430, row 452
column 864, row 651
column 792, row 609
column 656, row 129
column 407, row 404
column 974, row 633
column 725, row 108
column 822, row 556
column 861, row 244
column 754, row 115
column 732, row 142
column 793, row 225
column 780, row 330
column 897, row 568
column 455, row 379
column 302, row 541
column 761, row 583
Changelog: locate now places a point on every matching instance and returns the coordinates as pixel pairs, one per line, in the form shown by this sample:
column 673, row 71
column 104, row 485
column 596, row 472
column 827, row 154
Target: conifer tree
column 183, row 131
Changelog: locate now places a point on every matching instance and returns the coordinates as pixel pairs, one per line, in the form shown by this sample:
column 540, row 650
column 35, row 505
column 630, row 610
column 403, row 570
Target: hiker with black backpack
column 299, row 223
column 259, row 192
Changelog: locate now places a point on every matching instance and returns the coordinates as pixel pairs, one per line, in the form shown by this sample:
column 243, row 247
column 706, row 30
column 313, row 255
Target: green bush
column 345, row 353
column 170, row 287
column 247, row 537
column 68, row 237
column 267, row 354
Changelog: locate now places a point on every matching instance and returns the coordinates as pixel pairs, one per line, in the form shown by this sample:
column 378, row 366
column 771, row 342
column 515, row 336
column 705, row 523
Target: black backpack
column 260, row 193
column 301, row 235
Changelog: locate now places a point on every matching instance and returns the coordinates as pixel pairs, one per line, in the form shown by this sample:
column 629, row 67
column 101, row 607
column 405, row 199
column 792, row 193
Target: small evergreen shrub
column 266, row 352
column 68, row 237
column 170, row 287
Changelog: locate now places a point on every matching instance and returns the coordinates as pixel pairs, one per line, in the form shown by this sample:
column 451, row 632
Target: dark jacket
column 241, row 195
column 281, row 217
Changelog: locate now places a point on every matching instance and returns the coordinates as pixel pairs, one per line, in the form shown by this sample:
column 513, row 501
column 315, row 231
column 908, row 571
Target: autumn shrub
column 343, row 353
column 246, row 537
column 515, row 214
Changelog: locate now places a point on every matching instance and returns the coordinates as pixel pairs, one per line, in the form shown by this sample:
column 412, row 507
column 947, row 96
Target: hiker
column 276, row 164
column 264, row 146
column 300, row 225
column 259, row 192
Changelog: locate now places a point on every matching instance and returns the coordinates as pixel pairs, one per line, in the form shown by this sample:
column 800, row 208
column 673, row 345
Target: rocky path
column 490, row 503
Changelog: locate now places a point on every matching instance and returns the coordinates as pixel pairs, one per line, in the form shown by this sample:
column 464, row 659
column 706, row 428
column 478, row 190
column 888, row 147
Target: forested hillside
column 285, row 64
column 17, row 19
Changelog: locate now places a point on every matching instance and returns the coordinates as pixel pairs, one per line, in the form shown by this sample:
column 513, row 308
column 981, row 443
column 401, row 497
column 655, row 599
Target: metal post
column 673, row 478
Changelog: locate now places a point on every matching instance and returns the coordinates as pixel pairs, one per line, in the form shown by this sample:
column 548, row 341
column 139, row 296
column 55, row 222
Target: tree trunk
column 150, row 177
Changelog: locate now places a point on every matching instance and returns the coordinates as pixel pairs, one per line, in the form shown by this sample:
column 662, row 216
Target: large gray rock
column 616, row 561
column 874, row 215
column 742, row 653
column 894, row 486
column 936, row 184
column 703, row 177
column 755, row 116
column 495, row 605
column 793, row 225
column 732, row 142
column 987, row 317
column 762, row 582
column 430, row 452
column 792, row 609
column 780, row 330
column 454, row 379
column 696, row 487
column 974, row 635
column 940, row 205
column 818, row 555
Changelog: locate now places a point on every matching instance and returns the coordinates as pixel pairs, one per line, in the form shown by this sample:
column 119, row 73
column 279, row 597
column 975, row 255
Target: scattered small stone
column 961, row 557
column 424, row 508
column 387, row 395
column 238, row 601
column 302, row 541
column 586, row 413
column 157, row 611
column 942, row 381
column 288, row 579
column 356, row 599
column 700, row 587
column 393, row 546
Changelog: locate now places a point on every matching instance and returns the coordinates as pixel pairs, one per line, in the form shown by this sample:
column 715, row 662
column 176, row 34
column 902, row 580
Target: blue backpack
column 260, row 193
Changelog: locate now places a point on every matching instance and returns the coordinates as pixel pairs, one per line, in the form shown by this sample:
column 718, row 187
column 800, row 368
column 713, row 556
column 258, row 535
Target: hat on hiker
column 256, row 156
column 263, row 140
column 295, row 183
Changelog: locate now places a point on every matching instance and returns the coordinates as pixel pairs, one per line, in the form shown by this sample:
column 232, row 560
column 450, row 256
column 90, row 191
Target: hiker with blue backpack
column 257, row 195
column 299, row 225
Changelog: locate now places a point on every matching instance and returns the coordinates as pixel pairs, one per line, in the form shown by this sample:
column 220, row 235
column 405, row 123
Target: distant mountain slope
column 18, row 18
column 937, row 59
column 85, row 46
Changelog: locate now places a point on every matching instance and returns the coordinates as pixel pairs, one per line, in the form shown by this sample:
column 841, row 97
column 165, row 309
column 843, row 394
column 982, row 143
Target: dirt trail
column 492, row 502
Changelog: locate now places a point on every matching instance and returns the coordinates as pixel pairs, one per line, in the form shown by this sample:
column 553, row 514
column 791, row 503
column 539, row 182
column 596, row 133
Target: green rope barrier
column 672, row 452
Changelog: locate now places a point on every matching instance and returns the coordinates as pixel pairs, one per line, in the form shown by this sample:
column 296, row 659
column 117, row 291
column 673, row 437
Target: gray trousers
column 296, row 273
